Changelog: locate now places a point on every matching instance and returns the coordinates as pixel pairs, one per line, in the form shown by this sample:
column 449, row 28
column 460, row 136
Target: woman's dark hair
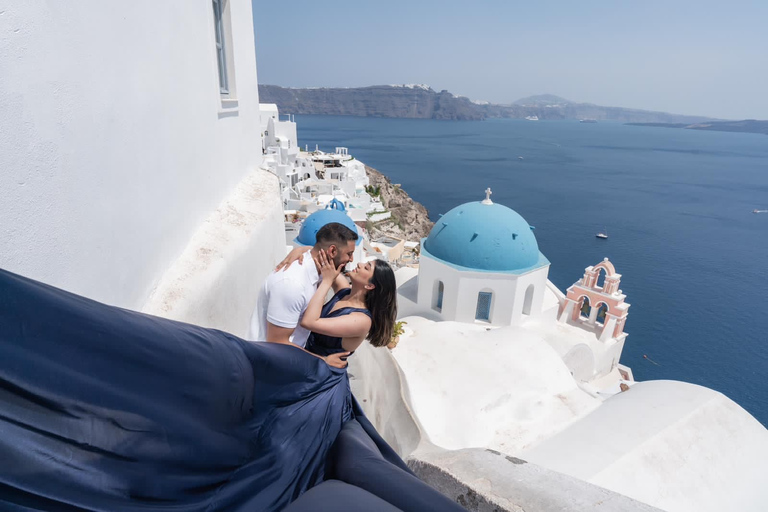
column 381, row 301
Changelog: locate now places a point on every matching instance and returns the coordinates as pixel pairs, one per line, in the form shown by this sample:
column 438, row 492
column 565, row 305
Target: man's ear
column 332, row 251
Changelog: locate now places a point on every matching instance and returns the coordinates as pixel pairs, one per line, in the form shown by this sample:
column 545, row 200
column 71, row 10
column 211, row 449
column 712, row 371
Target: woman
column 376, row 478
column 363, row 307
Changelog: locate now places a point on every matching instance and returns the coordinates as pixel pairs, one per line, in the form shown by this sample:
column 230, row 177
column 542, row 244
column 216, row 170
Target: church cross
column 488, row 196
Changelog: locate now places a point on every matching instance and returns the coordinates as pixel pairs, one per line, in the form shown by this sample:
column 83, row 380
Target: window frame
column 221, row 46
column 480, row 295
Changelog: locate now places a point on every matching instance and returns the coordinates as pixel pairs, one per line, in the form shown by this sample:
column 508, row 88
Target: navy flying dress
column 106, row 409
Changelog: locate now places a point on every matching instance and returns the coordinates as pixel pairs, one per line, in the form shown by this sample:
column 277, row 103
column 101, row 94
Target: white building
column 481, row 263
column 494, row 357
column 130, row 153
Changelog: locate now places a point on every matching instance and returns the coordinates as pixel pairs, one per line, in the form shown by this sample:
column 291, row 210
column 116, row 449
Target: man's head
column 338, row 241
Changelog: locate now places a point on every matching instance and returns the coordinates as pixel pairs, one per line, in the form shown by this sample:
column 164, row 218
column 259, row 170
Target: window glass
column 483, row 311
column 221, row 55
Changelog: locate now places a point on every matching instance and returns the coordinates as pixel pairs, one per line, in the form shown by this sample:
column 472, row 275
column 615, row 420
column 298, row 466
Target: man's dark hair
column 335, row 233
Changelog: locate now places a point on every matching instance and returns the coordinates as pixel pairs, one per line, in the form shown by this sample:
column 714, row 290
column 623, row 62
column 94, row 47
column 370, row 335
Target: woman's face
column 363, row 273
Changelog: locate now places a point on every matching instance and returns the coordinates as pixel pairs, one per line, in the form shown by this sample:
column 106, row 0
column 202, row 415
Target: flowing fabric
column 360, row 458
column 107, row 409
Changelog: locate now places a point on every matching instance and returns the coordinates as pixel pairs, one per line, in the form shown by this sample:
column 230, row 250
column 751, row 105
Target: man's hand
column 338, row 360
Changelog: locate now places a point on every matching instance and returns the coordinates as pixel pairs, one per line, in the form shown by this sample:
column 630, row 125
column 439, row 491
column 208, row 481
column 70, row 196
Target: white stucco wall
column 481, row 479
column 216, row 280
column 461, row 290
column 504, row 388
column 677, row 446
column 267, row 111
column 114, row 146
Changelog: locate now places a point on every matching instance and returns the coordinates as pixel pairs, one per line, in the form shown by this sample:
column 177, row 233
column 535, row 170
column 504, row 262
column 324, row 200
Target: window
column 528, row 301
column 224, row 58
column 439, row 297
column 221, row 50
column 483, row 311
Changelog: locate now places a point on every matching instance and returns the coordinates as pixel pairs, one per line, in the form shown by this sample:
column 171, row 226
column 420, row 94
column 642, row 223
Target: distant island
column 746, row 126
column 422, row 102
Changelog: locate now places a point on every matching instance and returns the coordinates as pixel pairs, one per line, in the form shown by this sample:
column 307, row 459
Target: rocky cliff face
column 410, row 220
column 422, row 102
column 377, row 101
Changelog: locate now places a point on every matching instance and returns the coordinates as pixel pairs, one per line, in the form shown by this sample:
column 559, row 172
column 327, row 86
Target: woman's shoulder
column 341, row 294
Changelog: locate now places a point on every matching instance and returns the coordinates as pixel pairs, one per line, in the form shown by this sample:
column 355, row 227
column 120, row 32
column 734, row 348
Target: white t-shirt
column 283, row 299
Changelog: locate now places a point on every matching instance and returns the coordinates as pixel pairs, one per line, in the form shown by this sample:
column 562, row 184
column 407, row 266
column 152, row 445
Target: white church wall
column 432, row 272
column 461, row 289
column 535, row 281
column 502, row 287
column 116, row 144
column 550, row 306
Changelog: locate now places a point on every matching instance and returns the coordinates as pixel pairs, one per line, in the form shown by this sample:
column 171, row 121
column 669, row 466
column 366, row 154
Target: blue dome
column 487, row 237
column 335, row 204
column 313, row 223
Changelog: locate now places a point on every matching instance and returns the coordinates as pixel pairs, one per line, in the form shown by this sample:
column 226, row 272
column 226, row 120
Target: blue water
column 676, row 203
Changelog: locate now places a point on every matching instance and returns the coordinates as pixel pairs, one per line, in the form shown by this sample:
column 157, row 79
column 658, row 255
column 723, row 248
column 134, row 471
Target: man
column 286, row 293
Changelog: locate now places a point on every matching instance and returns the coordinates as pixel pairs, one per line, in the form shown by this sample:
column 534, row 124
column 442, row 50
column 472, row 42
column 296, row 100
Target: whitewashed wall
column 461, row 289
column 114, row 145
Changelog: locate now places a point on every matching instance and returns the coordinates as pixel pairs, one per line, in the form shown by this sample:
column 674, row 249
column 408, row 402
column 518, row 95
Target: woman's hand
column 338, row 360
column 328, row 271
column 295, row 255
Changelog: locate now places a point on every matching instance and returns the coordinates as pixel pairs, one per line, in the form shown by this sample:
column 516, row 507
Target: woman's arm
column 295, row 255
column 340, row 283
column 352, row 325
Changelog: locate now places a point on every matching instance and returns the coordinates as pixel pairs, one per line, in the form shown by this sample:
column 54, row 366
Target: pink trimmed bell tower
column 587, row 295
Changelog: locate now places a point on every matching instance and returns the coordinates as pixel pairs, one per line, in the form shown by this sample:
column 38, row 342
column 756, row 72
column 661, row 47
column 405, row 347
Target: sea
column 676, row 205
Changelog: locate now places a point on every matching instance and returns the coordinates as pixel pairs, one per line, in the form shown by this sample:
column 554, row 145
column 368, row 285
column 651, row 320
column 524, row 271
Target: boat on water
column 759, row 211
column 587, row 120
column 602, row 234
column 532, row 118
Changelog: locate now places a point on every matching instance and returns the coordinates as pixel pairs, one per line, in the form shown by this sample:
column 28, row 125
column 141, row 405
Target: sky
column 686, row 57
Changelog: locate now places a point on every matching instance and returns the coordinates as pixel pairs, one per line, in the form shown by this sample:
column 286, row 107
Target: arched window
column 483, row 311
column 601, row 312
column 438, row 302
column 528, row 301
column 585, row 308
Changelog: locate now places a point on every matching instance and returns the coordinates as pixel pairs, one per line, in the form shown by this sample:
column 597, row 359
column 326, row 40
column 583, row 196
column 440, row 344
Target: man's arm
column 284, row 310
column 285, row 305
column 277, row 334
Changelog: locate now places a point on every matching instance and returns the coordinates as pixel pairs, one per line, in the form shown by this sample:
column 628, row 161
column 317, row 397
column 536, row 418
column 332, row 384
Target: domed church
column 481, row 263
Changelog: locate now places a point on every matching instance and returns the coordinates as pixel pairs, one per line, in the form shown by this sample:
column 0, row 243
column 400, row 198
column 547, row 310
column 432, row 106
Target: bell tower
column 588, row 296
